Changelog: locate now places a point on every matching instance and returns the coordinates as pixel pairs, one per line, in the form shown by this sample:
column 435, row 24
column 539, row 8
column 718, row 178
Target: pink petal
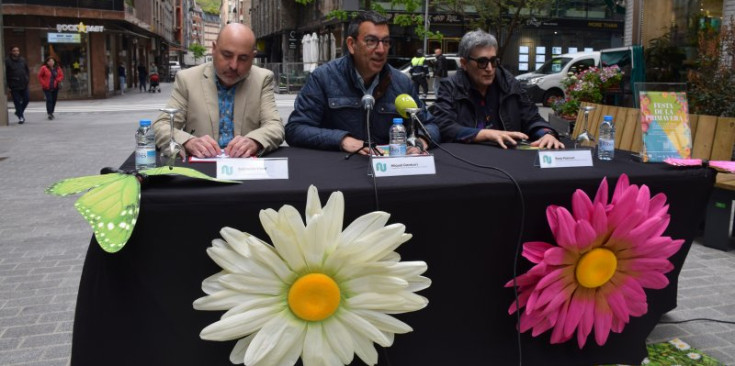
column 541, row 327
column 522, row 298
column 657, row 204
column 565, row 231
column 618, row 325
column 622, row 208
column 599, row 219
column 624, row 226
column 603, row 319
column 549, row 293
column 577, row 306
column 646, row 264
column 557, row 335
column 556, row 275
column 620, row 187
column 534, row 250
column 551, row 217
column 654, row 280
column 618, row 306
column 644, row 198
column 558, row 256
column 581, row 205
column 587, row 321
column 601, row 195
column 654, row 226
column 585, row 234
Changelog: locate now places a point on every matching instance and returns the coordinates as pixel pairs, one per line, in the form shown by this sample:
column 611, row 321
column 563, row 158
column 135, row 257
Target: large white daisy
column 318, row 292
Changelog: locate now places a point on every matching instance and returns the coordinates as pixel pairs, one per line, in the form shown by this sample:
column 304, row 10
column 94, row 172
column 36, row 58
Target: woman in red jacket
column 50, row 76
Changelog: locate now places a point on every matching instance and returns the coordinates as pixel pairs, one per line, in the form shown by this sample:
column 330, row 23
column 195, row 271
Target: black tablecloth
column 135, row 307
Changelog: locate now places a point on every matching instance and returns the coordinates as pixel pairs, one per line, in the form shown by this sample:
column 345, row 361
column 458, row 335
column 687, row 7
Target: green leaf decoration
column 113, row 202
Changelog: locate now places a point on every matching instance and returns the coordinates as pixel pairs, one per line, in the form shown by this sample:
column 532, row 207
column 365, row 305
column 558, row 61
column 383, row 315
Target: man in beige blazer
column 255, row 123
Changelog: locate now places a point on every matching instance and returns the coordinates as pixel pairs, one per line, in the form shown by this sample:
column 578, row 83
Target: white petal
column 364, row 225
column 253, row 285
column 375, row 283
column 339, row 339
column 265, row 254
column 333, row 219
column 223, row 300
column 238, row 326
column 252, row 304
column 236, row 239
column 411, row 302
column 317, row 351
column 358, row 324
column 211, row 284
column 228, row 259
column 313, row 204
column 364, row 348
column 269, row 221
column 237, row 356
column 290, row 249
column 418, row 283
column 279, row 338
column 375, row 301
column 384, row 322
column 378, row 244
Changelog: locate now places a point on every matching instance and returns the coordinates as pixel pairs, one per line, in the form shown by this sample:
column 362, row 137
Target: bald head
column 233, row 53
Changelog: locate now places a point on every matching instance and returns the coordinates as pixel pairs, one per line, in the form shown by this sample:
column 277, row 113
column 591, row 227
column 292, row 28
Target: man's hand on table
column 242, row 146
column 202, row 147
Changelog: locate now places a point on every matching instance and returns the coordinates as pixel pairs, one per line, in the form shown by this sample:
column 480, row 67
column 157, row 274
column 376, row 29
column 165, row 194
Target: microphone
column 405, row 104
column 367, row 102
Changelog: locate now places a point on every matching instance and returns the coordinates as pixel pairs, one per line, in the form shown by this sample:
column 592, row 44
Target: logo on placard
column 381, row 167
column 547, row 159
column 226, row 170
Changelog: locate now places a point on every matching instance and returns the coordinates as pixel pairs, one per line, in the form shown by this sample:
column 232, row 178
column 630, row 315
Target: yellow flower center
column 596, row 267
column 314, row 297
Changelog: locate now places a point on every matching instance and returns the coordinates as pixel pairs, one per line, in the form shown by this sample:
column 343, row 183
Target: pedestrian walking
column 50, row 76
column 121, row 76
column 419, row 73
column 142, row 76
column 17, row 76
column 440, row 68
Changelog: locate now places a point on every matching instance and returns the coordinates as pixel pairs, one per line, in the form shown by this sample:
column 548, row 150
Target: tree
column 198, row 50
column 501, row 18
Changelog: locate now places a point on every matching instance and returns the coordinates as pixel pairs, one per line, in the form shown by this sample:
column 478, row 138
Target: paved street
column 43, row 240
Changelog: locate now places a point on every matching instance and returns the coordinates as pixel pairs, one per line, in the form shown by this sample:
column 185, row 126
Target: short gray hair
column 474, row 39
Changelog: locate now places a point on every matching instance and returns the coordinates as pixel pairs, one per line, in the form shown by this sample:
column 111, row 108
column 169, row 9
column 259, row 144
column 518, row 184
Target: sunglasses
column 482, row 62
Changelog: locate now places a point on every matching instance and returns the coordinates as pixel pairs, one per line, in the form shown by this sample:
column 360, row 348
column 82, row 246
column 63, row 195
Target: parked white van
column 544, row 84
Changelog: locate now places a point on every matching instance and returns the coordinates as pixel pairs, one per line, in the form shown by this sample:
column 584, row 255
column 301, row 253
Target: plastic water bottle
column 145, row 149
column 397, row 137
column 606, row 145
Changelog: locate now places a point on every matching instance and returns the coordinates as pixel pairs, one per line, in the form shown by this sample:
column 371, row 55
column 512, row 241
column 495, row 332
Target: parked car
column 452, row 67
column 173, row 68
column 544, row 84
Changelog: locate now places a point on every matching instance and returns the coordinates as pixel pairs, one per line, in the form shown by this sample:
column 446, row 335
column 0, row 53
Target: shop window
column 71, row 53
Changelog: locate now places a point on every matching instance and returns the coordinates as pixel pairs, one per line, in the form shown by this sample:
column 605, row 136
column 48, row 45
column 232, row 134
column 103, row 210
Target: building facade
column 561, row 27
column 90, row 40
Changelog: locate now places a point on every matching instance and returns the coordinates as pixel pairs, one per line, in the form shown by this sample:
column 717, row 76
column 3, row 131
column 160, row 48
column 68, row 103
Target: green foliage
column 710, row 88
column 664, row 60
column 587, row 86
column 209, row 6
column 501, row 18
column 198, row 50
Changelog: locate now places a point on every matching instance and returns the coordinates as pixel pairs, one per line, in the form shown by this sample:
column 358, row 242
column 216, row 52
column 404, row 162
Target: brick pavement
column 43, row 240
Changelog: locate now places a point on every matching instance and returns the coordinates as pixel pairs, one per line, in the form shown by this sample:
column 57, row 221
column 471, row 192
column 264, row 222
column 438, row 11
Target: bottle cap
column 607, row 118
column 145, row 122
column 398, row 120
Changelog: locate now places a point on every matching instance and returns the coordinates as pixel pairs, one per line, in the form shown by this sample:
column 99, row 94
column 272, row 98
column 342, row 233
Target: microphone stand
column 372, row 147
column 413, row 140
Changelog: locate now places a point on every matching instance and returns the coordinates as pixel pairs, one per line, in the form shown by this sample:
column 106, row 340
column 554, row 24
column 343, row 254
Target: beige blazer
column 195, row 94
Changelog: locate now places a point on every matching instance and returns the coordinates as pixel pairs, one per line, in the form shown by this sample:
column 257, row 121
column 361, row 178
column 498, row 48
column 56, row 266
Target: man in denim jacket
column 328, row 113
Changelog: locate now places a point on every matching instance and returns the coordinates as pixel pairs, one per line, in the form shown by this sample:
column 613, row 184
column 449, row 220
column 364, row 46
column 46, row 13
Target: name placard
column 252, row 168
column 564, row 158
column 391, row 166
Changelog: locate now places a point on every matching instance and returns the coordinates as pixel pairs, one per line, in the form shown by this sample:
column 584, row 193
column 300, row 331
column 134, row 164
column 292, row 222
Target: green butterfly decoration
column 112, row 204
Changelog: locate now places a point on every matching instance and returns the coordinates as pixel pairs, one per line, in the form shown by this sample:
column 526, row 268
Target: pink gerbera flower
column 607, row 254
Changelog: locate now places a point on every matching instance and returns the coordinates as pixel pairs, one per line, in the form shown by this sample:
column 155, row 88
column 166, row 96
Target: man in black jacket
column 17, row 75
column 484, row 102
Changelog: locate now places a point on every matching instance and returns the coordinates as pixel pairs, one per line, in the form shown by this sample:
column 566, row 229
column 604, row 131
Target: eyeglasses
column 482, row 62
column 372, row 42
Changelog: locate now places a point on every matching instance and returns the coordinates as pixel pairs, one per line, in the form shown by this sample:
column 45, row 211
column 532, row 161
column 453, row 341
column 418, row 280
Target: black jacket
column 456, row 116
column 16, row 73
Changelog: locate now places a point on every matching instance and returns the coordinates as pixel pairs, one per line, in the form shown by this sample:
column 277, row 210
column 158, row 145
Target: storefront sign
column 64, row 38
column 81, row 28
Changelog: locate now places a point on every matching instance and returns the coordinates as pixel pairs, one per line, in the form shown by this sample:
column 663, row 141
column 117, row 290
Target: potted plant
column 587, row 86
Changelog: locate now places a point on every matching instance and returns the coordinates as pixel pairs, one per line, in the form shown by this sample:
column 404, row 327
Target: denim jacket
column 328, row 108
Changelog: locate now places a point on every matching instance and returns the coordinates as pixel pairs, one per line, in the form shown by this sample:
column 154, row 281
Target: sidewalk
column 43, row 240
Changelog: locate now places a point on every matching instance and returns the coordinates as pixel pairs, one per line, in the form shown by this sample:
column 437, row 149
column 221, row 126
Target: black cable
column 520, row 230
column 697, row 319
